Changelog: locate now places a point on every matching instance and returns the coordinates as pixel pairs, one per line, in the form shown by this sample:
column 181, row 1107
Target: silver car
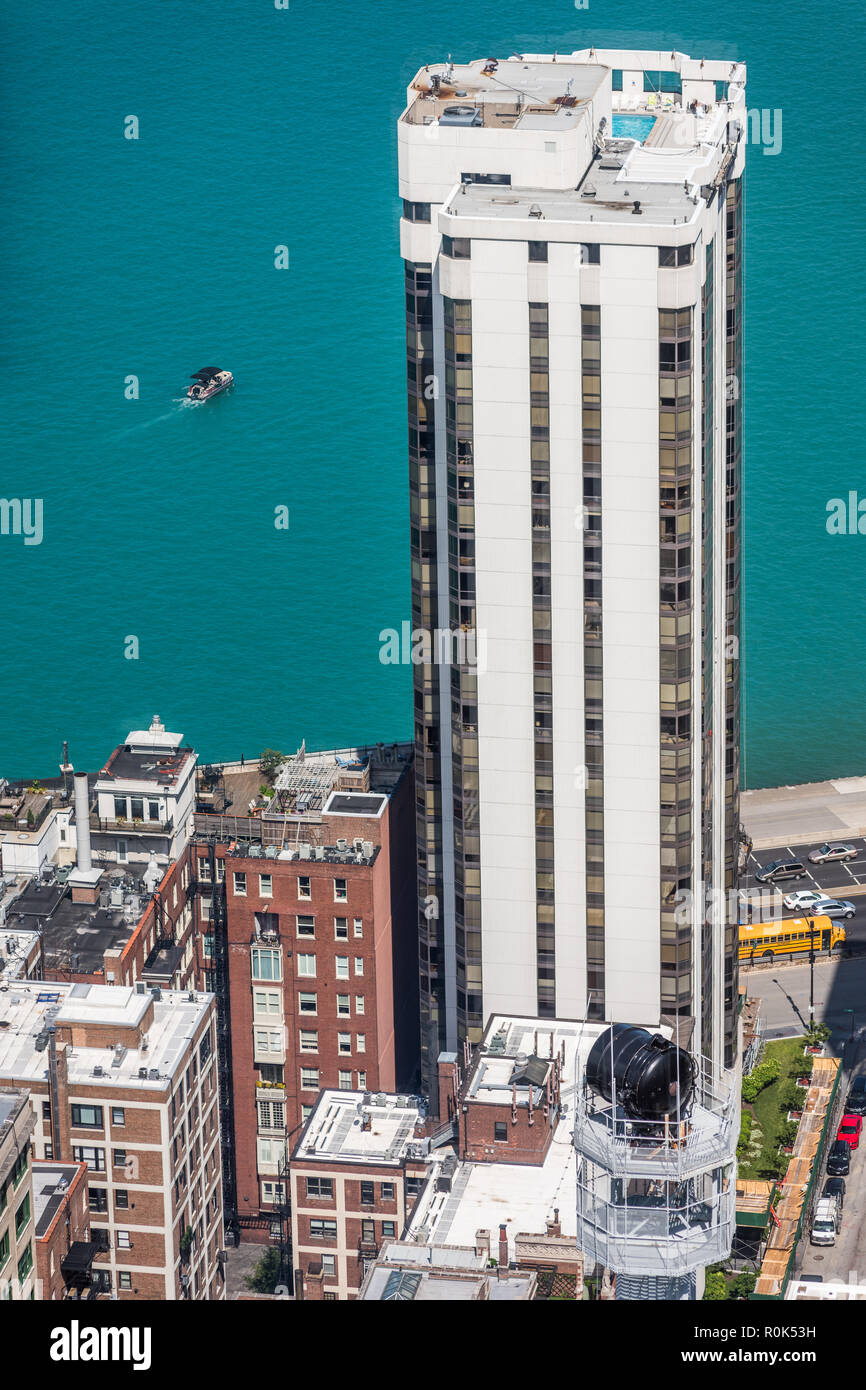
column 829, row 853
column 834, row 907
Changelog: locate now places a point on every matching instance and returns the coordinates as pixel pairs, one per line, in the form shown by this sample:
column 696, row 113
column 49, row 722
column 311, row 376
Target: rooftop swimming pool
column 632, row 127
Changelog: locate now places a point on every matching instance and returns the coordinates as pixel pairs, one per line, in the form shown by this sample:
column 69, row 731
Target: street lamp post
column 811, row 973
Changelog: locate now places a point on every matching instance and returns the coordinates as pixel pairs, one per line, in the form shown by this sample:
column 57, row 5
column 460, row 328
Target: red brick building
column 355, row 1174
column 311, row 939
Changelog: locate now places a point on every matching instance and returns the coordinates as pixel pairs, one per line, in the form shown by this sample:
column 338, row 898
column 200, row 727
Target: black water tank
column 652, row 1077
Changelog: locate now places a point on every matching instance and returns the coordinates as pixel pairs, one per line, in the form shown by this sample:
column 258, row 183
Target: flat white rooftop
column 27, row 1008
column 483, row 1196
column 336, row 1129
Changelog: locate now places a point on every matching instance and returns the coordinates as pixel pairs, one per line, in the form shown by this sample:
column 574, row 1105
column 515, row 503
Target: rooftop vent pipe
column 82, row 822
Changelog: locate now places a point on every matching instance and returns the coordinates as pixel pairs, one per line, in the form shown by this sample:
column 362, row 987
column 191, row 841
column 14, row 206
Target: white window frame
column 238, row 877
column 267, row 1003
column 302, row 895
column 344, row 1080
column 359, row 966
column 358, row 926
column 306, row 966
column 304, row 1036
column 266, row 885
column 341, row 967
column 341, row 895
column 306, row 1012
column 307, row 1084
column 360, row 1042
column 359, row 1004
column 344, row 1044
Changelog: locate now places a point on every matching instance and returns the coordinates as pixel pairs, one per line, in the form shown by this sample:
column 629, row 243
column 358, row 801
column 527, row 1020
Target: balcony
column 131, row 827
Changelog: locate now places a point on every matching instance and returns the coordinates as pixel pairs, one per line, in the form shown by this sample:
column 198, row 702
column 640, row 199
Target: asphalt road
column 838, row 880
column 840, row 986
column 846, row 1260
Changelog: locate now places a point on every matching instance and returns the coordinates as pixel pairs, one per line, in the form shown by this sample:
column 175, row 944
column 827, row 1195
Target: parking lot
column 845, row 879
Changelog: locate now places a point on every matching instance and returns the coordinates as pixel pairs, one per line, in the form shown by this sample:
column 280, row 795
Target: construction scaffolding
column 799, row 1180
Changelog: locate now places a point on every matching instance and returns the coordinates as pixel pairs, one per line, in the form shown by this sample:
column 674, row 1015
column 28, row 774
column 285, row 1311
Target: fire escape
column 219, row 928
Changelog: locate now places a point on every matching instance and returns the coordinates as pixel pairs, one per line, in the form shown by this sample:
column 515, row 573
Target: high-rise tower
column 572, row 241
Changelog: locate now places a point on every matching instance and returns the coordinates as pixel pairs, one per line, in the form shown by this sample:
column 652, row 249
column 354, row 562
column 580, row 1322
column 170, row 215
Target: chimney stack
column 82, row 822
column 503, row 1244
column 84, row 879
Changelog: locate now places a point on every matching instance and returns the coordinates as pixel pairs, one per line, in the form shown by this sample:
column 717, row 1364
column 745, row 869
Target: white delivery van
column 825, row 1222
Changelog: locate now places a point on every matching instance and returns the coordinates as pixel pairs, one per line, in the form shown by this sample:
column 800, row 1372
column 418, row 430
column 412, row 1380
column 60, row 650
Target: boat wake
column 180, row 403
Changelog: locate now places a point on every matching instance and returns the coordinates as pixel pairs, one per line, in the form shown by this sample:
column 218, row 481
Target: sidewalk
column 814, row 811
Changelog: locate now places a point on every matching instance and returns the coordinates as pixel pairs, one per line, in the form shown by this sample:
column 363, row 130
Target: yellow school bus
column 763, row 940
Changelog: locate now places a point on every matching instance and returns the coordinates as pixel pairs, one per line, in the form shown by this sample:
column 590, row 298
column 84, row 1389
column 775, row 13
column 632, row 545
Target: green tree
column 792, row 1097
column 265, row 1276
column 269, row 762
column 715, row 1286
column 744, row 1284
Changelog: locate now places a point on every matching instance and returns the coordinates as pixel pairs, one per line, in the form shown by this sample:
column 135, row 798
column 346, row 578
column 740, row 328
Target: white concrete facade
column 550, row 153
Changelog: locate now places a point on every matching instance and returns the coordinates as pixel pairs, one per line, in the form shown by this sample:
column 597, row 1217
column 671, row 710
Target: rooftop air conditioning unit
column 304, row 851
column 342, row 845
column 140, row 987
column 358, row 844
column 98, row 1071
column 153, row 1074
column 368, row 849
column 142, row 1073
column 320, row 851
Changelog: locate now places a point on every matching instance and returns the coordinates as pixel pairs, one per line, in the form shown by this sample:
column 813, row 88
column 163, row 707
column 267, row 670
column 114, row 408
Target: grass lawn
column 768, row 1118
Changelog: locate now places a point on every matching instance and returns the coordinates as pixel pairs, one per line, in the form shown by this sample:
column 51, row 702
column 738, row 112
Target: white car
column 802, row 901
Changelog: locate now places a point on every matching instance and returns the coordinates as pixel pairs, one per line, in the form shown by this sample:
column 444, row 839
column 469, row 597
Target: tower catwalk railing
column 219, row 928
column 657, row 1196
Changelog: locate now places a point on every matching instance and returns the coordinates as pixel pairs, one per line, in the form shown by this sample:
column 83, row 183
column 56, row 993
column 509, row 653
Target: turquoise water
column 632, row 127
column 154, row 257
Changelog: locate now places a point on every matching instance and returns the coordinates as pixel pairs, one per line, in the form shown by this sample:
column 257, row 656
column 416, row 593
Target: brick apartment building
column 17, row 1265
column 62, row 1228
column 314, row 948
column 124, row 1081
column 300, row 917
column 355, row 1175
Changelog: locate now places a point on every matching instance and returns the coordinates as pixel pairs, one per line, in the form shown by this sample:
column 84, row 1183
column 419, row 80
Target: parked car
column 825, row 1222
column 839, row 1159
column 778, row 869
column 835, row 1187
column 826, row 854
column 834, row 907
column 856, row 1102
column 850, row 1130
column 803, row 900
